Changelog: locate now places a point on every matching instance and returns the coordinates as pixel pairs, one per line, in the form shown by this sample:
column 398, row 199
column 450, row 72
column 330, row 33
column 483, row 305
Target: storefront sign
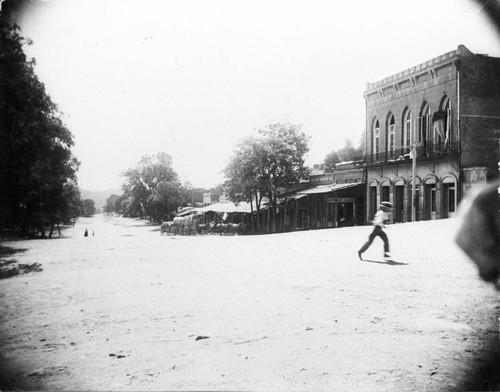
column 340, row 200
column 327, row 178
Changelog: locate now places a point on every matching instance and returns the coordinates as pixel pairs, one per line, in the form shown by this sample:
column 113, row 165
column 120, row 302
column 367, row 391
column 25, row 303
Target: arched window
column 441, row 126
column 407, row 131
column 391, row 135
column 424, row 122
column 376, row 138
column 446, row 109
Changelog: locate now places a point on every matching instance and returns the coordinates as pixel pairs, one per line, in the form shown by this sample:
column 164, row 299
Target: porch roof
column 294, row 196
column 328, row 188
column 242, row 207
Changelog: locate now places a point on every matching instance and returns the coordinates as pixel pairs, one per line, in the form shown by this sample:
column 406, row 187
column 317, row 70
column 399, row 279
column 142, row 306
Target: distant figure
column 379, row 221
column 86, row 234
column 92, row 233
column 479, row 233
column 341, row 216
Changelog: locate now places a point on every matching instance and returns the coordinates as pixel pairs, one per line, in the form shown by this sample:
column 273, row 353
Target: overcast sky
column 193, row 77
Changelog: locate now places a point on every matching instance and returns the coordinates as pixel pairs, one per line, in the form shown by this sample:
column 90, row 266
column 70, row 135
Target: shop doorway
column 430, row 201
column 384, row 194
column 399, row 204
column 373, row 202
column 448, row 200
column 412, row 218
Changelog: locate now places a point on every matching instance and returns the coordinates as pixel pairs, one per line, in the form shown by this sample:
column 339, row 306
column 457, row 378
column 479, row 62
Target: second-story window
column 376, row 138
column 391, row 136
column 424, row 125
column 407, row 129
column 447, row 123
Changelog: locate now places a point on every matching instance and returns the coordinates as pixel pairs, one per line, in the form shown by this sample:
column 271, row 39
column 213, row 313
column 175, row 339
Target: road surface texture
column 129, row 309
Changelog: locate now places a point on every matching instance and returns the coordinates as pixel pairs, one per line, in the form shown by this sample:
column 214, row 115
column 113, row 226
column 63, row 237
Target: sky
column 192, row 78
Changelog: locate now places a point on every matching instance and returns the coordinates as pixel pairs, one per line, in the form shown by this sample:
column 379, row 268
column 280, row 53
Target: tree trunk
column 251, row 217
column 259, row 226
column 25, row 225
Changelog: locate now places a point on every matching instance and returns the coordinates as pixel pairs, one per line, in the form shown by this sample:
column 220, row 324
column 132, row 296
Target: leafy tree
column 36, row 163
column 88, row 207
column 345, row 154
column 217, row 190
column 242, row 172
column 330, row 160
column 266, row 165
column 72, row 208
column 153, row 188
column 110, row 205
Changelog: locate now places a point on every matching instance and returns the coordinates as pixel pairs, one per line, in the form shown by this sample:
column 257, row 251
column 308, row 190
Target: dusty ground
column 128, row 309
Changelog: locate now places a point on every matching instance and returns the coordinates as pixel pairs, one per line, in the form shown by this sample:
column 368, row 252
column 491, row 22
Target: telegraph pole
column 413, row 155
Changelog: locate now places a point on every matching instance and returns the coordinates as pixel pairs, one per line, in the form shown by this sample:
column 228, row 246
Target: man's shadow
column 385, row 262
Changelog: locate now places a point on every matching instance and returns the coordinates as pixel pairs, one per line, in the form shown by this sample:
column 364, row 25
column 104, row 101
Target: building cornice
column 410, row 76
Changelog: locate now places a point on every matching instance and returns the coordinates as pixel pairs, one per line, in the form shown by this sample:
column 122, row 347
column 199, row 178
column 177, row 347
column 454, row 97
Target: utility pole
column 413, row 155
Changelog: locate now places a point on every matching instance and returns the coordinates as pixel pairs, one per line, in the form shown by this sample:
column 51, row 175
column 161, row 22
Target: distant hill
column 99, row 197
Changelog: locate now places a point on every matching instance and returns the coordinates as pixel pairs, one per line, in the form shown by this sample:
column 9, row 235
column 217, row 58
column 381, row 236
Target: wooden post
column 335, row 211
column 413, row 180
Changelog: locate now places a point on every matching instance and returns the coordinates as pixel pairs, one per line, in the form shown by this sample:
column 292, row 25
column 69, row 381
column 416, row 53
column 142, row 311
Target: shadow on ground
column 10, row 267
column 385, row 262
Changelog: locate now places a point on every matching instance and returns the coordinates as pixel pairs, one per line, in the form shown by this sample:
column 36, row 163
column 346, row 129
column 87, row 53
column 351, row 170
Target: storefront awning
column 242, row 207
column 328, row 188
column 294, row 196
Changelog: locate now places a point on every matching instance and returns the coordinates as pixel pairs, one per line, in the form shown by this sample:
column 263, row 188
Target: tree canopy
column 37, row 168
column 346, row 153
column 265, row 165
column 88, row 207
column 152, row 189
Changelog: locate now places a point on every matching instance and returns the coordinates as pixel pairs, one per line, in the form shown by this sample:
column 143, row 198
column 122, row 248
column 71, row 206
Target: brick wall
column 480, row 112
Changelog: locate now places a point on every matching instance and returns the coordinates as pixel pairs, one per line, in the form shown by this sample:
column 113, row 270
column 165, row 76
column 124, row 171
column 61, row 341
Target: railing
column 429, row 151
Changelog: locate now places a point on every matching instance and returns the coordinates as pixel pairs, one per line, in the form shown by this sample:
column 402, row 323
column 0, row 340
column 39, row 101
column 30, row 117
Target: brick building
column 443, row 116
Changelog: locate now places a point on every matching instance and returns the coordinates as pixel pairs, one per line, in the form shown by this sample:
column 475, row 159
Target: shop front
column 324, row 206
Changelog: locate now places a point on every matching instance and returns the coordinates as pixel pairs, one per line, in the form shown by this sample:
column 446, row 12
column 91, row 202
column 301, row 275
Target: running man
column 379, row 221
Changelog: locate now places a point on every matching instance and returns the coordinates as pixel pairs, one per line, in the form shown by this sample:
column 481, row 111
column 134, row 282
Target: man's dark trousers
column 377, row 231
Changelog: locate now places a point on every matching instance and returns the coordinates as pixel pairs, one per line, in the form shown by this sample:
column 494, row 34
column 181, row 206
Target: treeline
column 344, row 154
column 38, row 188
column 152, row 190
column 264, row 166
column 261, row 169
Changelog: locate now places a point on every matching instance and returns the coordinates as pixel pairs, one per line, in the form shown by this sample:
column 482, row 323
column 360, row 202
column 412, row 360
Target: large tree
column 36, row 162
column 88, row 207
column 267, row 165
column 111, row 204
column 347, row 153
column 242, row 173
column 153, row 188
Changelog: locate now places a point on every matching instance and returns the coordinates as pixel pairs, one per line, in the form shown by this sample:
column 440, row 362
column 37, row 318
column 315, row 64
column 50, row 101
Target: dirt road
column 129, row 309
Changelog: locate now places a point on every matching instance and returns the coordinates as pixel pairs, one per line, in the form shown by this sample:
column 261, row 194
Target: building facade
column 432, row 132
column 328, row 200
